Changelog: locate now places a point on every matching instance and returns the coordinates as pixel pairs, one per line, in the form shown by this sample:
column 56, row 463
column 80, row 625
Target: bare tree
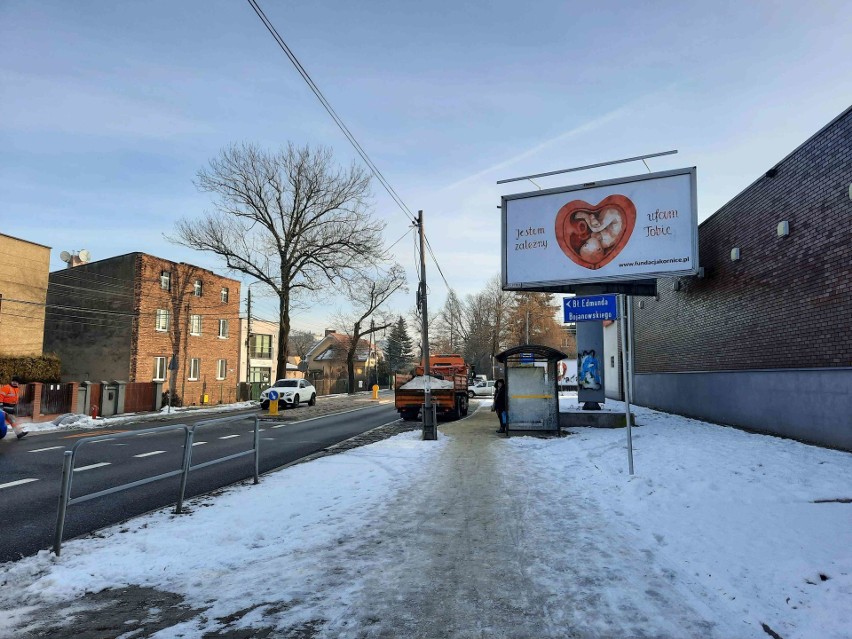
column 301, row 342
column 367, row 293
column 291, row 219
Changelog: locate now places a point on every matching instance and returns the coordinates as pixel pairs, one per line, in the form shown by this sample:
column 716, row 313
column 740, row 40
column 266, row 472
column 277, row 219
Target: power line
column 327, row 106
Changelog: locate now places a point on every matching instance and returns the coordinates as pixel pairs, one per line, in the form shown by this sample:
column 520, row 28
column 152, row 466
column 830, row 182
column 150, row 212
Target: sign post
column 625, row 359
column 273, row 402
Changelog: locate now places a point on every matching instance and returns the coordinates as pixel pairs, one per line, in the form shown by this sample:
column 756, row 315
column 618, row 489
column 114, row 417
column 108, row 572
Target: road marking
column 279, row 425
column 91, row 466
column 153, row 452
column 18, row 483
column 96, row 433
column 41, row 450
column 229, row 436
column 198, row 443
column 343, row 412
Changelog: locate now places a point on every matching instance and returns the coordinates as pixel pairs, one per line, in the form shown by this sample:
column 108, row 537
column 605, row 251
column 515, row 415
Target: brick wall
column 787, row 302
column 23, row 290
column 90, row 319
column 181, row 303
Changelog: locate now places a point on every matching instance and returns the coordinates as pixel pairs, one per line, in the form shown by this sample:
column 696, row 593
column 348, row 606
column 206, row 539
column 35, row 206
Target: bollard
column 375, row 391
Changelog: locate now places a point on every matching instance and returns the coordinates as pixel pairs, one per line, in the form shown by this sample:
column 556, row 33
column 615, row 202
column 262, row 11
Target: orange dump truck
column 448, row 382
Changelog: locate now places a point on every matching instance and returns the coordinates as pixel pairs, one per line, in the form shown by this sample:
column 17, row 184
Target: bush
column 176, row 401
column 44, row 368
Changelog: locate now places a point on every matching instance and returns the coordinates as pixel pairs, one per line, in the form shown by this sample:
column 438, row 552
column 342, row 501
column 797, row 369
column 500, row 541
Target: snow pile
column 74, row 420
column 419, row 383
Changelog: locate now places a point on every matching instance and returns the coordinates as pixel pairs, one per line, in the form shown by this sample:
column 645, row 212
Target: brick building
column 140, row 318
column 24, row 269
column 764, row 339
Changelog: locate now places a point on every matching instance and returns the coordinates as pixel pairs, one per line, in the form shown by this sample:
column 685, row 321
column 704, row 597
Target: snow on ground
column 716, row 534
column 73, row 420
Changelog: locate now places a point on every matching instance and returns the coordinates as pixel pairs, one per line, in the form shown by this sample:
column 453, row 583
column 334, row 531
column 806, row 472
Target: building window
column 159, row 369
column 259, row 375
column 196, row 290
column 221, row 369
column 223, row 328
column 224, row 295
column 166, row 280
column 260, row 346
column 194, row 368
column 195, row 324
column 162, row 320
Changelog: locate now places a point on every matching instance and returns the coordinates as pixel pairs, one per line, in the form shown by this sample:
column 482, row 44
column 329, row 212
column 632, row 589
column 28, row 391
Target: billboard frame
column 621, row 281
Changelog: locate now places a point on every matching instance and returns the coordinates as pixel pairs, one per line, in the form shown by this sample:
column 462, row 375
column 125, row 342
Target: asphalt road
column 31, row 469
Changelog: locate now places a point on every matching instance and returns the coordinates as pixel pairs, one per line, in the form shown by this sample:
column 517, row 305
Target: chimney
column 329, row 331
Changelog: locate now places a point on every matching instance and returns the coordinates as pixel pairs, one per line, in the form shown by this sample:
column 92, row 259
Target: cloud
column 583, row 128
column 50, row 104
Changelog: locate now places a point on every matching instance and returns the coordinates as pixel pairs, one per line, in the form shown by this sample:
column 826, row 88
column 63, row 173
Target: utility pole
column 371, row 355
column 248, row 343
column 430, row 430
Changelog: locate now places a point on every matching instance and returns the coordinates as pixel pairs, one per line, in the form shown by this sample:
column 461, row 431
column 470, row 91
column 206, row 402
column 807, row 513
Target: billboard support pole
column 626, row 338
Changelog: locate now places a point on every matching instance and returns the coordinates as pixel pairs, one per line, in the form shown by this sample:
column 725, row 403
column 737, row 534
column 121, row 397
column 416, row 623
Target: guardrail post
column 187, row 462
column 256, row 449
column 64, row 494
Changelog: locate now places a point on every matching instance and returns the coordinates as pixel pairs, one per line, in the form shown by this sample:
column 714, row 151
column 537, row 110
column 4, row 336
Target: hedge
column 45, row 368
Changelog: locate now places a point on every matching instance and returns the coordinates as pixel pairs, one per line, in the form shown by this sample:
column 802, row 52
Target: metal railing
column 66, row 500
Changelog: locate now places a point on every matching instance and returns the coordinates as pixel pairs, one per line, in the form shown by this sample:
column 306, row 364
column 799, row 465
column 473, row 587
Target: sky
column 108, row 110
column 718, row 534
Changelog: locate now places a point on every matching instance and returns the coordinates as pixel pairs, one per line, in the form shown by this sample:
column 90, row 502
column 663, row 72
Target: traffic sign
column 590, row 308
column 273, row 395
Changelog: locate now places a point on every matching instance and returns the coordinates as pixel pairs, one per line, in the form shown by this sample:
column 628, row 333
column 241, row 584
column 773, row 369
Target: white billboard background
column 662, row 241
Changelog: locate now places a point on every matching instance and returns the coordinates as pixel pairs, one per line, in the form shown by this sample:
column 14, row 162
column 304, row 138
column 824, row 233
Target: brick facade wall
column 182, row 303
column 24, row 269
column 787, row 303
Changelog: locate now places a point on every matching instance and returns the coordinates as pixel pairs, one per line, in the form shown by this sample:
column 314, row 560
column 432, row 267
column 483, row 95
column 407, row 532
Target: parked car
column 481, row 389
column 291, row 392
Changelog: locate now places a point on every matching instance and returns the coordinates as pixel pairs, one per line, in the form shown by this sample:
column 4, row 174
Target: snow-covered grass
column 716, row 534
column 73, row 420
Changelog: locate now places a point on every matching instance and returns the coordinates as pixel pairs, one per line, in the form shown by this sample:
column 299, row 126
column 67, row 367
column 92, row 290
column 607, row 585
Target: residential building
column 24, row 268
column 763, row 340
column 138, row 317
column 259, row 353
column 327, row 363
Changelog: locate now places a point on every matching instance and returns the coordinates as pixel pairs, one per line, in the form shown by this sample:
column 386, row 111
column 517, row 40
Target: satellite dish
column 65, row 256
column 84, row 256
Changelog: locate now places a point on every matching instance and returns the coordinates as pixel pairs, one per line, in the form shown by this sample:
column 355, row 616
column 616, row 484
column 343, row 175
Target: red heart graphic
column 593, row 235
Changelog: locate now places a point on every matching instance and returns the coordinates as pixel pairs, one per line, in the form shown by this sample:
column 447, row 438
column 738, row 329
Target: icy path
column 487, row 548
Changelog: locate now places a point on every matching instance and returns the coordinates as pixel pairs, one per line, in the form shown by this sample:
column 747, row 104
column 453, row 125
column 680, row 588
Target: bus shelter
column 532, row 393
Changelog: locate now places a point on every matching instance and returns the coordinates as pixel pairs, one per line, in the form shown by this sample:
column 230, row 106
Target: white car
column 481, row 389
column 291, row 392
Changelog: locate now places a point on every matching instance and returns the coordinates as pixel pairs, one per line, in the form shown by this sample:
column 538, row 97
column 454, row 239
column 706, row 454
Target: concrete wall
column 91, row 318
column 23, row 286
column 812, row 405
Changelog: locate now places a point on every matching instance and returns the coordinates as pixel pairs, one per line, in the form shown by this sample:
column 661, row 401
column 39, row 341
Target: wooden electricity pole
column 430, row 430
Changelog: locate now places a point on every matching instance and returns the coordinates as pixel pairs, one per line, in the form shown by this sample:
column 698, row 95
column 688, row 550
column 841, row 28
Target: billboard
column 632, row 228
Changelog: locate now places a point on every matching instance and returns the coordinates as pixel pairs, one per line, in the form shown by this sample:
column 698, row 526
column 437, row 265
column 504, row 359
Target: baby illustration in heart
column 592, row 235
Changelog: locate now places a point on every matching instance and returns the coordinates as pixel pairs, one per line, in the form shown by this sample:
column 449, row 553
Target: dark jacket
column 500, row 399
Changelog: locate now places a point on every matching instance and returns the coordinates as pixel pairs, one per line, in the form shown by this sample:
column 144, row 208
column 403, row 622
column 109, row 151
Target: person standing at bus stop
column 9, row 395
column 499, row 405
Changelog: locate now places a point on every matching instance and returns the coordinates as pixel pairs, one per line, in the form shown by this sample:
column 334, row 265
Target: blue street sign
column 527, row 358
column 590, row 308
column 273, row 395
